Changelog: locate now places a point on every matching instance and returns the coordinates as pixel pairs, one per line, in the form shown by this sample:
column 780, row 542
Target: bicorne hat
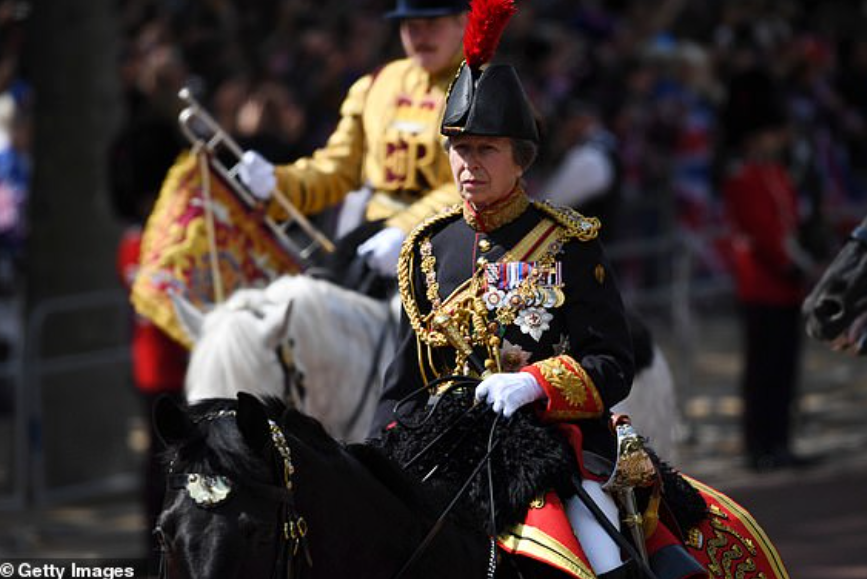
column 426, row 8
column 488, row 99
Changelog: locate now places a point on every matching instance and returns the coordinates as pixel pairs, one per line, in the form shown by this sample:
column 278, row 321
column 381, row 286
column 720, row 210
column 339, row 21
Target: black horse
column 260, row 491
column 836, row 309
column 245, row 501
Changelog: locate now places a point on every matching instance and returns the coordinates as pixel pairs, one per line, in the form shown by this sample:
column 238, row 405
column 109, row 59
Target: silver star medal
column 533, row 321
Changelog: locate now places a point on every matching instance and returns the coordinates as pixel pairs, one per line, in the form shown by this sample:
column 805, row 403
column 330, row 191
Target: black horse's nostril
column 829, row 308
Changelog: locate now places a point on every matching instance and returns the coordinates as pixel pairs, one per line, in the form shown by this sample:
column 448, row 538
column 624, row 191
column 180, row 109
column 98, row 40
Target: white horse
column 235, row 348
column 341, row 342
column 652, row 407
column 335, row 349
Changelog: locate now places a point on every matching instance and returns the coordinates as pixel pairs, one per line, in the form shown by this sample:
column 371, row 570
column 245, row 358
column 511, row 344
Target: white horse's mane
column 341, row 343
column 235, row 350
column 334, row 335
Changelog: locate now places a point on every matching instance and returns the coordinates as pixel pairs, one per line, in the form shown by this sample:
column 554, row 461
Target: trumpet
column 203, row 131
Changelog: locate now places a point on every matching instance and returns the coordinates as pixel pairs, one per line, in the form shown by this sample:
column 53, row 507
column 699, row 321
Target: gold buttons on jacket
column 484, row 245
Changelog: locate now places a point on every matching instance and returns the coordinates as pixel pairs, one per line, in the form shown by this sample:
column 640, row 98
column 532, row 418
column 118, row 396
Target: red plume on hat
column 489, row 101
column 485, row 25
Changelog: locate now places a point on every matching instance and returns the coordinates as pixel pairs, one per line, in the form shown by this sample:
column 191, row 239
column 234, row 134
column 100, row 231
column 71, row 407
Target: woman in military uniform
column 524, row 287
column 520, row 292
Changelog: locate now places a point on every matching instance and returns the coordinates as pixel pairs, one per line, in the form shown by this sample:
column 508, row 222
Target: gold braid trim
column 503, row 211
column 576, row 225
column 759, row 543
column 574, row 384
column 405, row 263
column 572, row 224
column 533, row 542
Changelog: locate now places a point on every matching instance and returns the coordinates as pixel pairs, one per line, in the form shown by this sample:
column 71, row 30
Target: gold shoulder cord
column 577, row 226
column 405, row 283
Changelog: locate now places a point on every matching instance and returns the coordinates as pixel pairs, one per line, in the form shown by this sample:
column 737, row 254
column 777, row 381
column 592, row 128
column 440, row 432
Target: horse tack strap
column 294, row 525
column 438, row 524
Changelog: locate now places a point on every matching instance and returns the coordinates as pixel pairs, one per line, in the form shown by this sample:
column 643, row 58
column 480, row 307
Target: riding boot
column 602, row 551
column 628, row 570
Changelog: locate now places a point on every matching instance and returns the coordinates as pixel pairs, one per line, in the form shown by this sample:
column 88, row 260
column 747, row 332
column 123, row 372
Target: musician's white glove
column 509, row 391
column 382, row 250
column 257, row 174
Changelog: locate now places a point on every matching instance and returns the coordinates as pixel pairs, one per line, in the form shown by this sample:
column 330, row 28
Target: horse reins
column 293, row 525
column 455, row 382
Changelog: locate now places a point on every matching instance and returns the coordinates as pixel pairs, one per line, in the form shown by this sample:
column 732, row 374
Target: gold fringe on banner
column 176, row 254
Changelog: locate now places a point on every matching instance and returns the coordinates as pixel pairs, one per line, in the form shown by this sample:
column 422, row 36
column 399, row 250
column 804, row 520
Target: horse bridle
column 293, row 378
column 209, row 491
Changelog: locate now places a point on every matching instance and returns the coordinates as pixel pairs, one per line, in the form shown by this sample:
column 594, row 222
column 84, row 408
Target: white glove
column 381, row 251
column 509, row 391
column 257, row 174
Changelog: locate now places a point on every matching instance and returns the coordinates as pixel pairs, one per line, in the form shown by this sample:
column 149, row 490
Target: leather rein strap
column 457, row 381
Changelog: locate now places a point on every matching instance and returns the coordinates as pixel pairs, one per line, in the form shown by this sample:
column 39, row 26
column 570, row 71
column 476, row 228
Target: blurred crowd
column 655, row 73
column 15, row 134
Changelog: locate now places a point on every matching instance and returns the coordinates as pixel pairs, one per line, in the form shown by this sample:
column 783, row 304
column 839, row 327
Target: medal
column 534, row 321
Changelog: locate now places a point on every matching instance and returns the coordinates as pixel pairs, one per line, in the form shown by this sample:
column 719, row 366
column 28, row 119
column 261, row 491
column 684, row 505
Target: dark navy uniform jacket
column 588, row 335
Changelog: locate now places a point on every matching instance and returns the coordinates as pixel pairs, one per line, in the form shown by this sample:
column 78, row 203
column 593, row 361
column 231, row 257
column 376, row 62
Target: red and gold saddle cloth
column 730, row 543
column 727, row 544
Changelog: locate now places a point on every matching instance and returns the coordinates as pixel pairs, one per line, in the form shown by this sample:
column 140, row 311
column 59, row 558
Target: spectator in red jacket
column 770, row 268
column 158, row 367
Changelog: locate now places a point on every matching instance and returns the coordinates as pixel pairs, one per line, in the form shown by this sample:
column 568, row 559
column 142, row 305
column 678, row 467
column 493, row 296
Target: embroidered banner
column 175, row 254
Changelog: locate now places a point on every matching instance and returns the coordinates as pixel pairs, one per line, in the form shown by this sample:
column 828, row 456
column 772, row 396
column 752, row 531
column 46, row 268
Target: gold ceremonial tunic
column 388, row 139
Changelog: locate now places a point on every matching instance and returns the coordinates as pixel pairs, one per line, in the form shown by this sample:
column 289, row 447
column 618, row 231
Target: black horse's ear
column 252, row 421
column 171, row 423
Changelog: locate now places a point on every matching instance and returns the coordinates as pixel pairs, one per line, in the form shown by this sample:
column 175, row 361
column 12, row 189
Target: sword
column 633, row 469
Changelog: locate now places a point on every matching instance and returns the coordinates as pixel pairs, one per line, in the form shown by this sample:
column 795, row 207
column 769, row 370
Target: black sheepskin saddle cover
column 686, row 505
column 529, row 458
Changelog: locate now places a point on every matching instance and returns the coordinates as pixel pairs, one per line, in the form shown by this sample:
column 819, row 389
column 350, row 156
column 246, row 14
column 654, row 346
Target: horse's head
column 238, row 347
column 229, row 509
column 836, row 309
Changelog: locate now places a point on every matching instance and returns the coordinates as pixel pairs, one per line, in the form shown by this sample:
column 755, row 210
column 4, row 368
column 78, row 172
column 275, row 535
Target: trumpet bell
column 297, row 234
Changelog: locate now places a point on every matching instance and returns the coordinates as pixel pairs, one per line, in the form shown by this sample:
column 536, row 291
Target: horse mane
column 428, row 499
column 231, row 354
column 324, row 313
column 407, row 489
column 216, row 445
column 310, row 431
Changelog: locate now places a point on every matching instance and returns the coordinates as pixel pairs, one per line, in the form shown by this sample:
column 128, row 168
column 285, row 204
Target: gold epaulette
column 405, row 262
column 577, row 226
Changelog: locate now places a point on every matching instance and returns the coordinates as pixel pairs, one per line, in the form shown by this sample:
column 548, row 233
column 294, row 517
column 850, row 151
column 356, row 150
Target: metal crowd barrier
column 28, row 371
column 16, row 466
